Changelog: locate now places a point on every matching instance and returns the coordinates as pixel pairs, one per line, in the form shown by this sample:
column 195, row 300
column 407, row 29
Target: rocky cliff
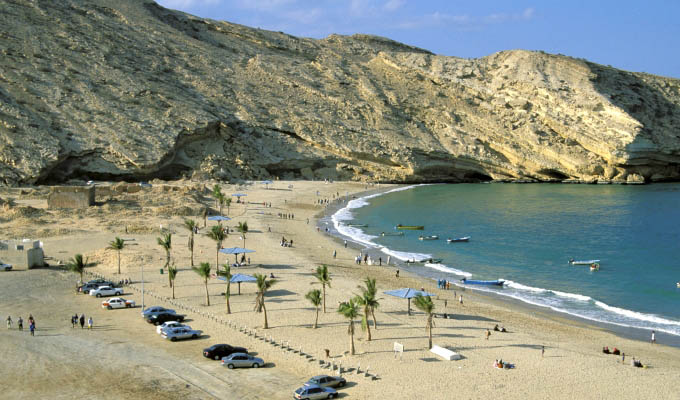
column 128, row 90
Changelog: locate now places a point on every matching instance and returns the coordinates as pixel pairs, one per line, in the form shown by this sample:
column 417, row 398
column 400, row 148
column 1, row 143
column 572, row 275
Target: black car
column 158, row 319
column 94, row 285
column 217, row 351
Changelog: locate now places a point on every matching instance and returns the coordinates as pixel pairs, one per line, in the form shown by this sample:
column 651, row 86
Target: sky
column 641, row 36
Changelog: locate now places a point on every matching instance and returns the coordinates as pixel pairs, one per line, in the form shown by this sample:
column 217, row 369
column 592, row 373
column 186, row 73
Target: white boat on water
column 433, row 237
column 583, row 262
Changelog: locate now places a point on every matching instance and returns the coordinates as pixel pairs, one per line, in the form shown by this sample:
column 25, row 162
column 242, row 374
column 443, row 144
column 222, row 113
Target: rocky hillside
column 128, row 90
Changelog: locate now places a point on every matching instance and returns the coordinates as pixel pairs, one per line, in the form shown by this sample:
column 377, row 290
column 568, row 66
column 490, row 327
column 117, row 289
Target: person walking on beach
column 397, row 274
column 623, row 357
column 31, row 327
column 345, row 244
column 9, row 322
column 73, row 321
column 380, row 261
column 335, row 254
column 542, row 351
column 460, row 300
column 20, row 322
column 653, row 337
column 488, row 333
column 89, row 323
column 82, row 321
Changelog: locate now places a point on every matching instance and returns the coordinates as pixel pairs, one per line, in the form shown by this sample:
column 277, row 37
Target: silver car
column 241, row 360
column 175, row 334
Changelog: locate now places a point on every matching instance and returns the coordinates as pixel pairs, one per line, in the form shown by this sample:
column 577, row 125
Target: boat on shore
column 497, row 282
column 424, row 261
column 460, row 239
column 431, row 237
column 410, row 227
column 392, row 234
column 583, row 262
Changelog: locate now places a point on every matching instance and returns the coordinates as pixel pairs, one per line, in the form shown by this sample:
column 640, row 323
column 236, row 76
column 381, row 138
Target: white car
column 117, row 302
column 5, row 267
column 180, row 333
column 106, row 291
column 169, row 325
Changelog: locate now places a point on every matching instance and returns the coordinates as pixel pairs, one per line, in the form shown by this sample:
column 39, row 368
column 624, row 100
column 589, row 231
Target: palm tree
column 221, row 199
column 314, row 296
column 324, row 278
column 78, row 265
column 369, row 293
column 243, row 229
column 226, row 274
column 166, row 243
column 364, row 300
column 349, row 310
column 117, row 244
column 425, row 304
column 204, row 272
column 262, row 286
column 172, row 274
column 217, row 234
column 190, row 224
column 227, row 202
column 217, row 192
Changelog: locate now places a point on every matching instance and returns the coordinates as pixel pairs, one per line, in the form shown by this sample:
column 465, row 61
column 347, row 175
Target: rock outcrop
column 128, row 90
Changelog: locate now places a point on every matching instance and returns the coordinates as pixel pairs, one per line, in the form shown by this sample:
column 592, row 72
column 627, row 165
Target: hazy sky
column 631, row 35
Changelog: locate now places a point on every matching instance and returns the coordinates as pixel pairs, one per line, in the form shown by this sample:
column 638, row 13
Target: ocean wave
column 404, row 256
column 575, row 296
column 637, row 315
column 444, row 268
column 519, row 286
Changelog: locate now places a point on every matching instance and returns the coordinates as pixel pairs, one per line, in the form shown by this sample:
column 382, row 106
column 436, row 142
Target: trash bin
column 161, row 271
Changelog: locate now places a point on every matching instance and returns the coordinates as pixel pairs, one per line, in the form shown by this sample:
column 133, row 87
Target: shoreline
column 626, row 332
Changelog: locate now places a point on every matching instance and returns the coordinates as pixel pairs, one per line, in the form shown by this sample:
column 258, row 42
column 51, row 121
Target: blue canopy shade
column 239, row 194
column 219, row 218
column 236, row 250
column 408, row 293
column 238, row 278
column 267, row 182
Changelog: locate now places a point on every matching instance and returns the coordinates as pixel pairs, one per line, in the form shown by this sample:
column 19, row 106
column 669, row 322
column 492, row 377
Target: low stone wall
column 71, row 197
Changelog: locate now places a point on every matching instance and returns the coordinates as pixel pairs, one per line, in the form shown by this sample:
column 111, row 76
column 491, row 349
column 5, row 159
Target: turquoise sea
column 526, row 233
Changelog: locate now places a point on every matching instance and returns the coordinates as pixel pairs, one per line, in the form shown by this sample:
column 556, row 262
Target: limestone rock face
column 128, row 90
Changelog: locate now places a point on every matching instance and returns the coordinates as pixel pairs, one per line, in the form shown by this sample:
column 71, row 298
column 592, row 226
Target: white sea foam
column 579, row 297
column 403, row 255
column 637, row 315
column 519, row 286
column 444, row 268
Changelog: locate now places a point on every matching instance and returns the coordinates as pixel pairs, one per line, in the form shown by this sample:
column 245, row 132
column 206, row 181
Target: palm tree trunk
column 207, row 296
column 429, row 331
column 191, row 247
column 217, row 258
column 351, row 338
column 323, row 286
column 316, row 321
column 173, row 291
column 375, row 323
column 118, row 262
column 266, row 325
column 368, row 325
column 228, row 293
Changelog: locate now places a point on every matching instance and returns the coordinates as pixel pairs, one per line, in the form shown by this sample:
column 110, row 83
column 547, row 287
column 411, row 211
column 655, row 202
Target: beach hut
column 408, row 293
column 238, row 278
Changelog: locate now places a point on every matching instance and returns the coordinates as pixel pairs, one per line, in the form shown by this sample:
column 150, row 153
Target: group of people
column 501, row 329
column 75, row 320
column 606, row 350
column 286, row 243
column 443, row 284
column 20, row 323
column 287, row 216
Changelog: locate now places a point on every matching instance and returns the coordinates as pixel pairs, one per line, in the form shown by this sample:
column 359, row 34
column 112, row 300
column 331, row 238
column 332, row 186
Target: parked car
column 156, row 310
column 5, row 267
column 117, row 302
column 242, row 360
column 175, row 334
column 169, row 325
column 218, row 351
column 89, row 286
column 106, row 291
column 312, row 392
column 327, row 381
column 159, row 318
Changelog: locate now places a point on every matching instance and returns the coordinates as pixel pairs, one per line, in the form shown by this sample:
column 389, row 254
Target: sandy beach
column 123, row 357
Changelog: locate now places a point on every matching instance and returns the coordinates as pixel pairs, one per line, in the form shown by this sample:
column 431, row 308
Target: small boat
column 583, row 262
column 460, row 239
column 497, row 282
column 392, row 234
column 678, row 285
column 410, row 227
column 432, row 261
column 432, row 237
column 358, row 225
column 594, row 267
